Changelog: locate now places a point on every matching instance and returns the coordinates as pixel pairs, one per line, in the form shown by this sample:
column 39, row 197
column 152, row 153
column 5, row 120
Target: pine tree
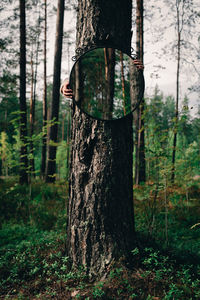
column 44, row 139
column 100, row 224
column 51, row 161
column 140, row 172
column 23, row 174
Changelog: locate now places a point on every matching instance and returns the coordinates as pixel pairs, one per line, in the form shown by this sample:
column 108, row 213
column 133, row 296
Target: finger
column 67, row 90
column 139, row 65
column 137, row 61
column 68, row 95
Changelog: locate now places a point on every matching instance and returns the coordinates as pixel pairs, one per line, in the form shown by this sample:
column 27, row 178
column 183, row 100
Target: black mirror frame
column 81, row 53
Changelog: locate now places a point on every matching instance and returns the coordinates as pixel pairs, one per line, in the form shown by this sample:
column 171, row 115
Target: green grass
column 34, row 265
column 175, row 228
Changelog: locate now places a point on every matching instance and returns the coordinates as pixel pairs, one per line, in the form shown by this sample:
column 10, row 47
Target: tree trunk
column 177, row 94
column 34, row 78
column 51, row 162
column 109, row 56
column 100, row 225
column 44, row 138
column 23, row 174
column 140, row 174
column 32, row 110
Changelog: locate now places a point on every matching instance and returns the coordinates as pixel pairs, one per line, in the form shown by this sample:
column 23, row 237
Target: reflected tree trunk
column 109, row 56
column 79, row 85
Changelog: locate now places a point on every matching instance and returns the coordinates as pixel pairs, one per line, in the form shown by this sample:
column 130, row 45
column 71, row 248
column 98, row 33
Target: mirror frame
column 79, row 57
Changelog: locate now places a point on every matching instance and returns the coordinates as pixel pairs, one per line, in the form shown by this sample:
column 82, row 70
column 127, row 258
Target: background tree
column 140, row 172
column 22, row 99
column 51, row 161
column 183, row 16
column 33, row 32
column 180, row 7
column 44, row 139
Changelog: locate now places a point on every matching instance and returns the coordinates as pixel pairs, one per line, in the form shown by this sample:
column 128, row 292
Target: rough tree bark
column 100, row 225
column 51, row 160
column 23, row 175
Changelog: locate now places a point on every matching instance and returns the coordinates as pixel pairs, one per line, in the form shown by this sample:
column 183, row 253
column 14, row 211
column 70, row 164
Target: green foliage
column 61, row 159
column 30, row 203
column 159, row 131
column 34, row 265
column 170, row 216
column 5, row 154
column 10, row 149
column 27, row 255
column 98, row 290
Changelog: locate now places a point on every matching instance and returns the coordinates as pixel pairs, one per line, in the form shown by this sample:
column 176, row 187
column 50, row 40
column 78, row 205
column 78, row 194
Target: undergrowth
column 34, row 265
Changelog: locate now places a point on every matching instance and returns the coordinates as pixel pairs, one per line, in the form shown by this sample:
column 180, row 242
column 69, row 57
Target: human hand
column 65, row 90
column 138, row 63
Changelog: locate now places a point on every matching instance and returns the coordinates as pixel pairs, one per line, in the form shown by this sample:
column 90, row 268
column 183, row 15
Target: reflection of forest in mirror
column 101, row 85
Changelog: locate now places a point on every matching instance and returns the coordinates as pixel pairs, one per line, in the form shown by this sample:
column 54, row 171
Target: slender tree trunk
column 6, row 116
column 23, row 175
column 100, row 225
column 44, row 138
column 166, row 211
column 32, row 109
column 33, row 100
column 51, row 162
column 140, row 173
column 177, row 94
column 109, row 55
column 32, row 118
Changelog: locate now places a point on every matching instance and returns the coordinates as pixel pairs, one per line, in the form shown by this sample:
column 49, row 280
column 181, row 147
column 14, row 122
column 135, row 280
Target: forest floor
column 33, row 264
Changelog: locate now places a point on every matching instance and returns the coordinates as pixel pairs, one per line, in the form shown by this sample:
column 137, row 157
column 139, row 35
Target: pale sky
column 166, row 79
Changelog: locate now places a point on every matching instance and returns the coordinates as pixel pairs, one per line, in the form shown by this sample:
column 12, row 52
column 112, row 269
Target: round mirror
column 106, row 84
